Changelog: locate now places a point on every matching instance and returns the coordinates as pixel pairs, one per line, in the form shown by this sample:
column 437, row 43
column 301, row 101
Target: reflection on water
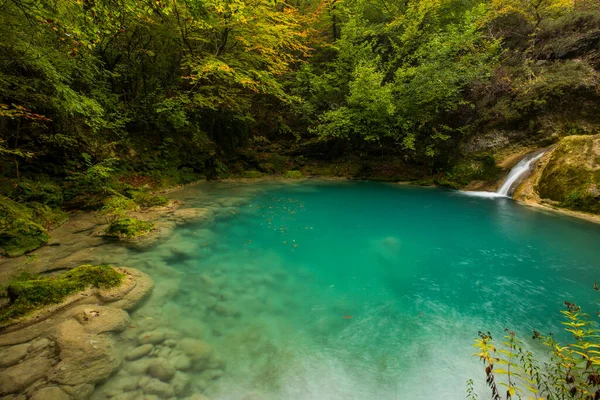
column 343, row 291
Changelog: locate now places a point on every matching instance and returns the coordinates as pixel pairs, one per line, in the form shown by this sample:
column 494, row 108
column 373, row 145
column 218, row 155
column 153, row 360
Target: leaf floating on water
column 347, row 317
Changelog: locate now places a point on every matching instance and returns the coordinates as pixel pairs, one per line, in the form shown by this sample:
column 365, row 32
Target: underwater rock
column 81, row 391
column 39, row 344
column 157, row 387
column 85, row 358
column 182, row 215
column 198, row 396
column 226, row 311
column 116, row 386
column 200, row 353
column 181, row 362
column 180, row 383
column 13, row 354
column 132, row 395
column 139, row 352
column 154, row 337
column 160, row 368
column 50, row 393
column 143, row 287
column 163, row 352
column 138, row 367
column 99, row 319
column 18, row 377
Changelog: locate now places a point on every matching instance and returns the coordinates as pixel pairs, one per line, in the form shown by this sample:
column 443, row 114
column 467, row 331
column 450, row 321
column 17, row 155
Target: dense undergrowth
column 28, row 293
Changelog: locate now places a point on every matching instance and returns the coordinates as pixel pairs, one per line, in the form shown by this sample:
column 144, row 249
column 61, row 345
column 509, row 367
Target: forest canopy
column 96, row 86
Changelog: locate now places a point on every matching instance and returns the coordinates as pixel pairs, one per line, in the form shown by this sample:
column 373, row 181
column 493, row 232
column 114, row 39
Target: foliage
column 293, row 175
column 94, row 92
column 572, row 372
column 116, row 207
column 28, row 293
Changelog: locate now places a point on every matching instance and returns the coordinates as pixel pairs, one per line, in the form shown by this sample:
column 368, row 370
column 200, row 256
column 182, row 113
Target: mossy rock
column 28, row 293
column 293, row 175
column 482, row 167
column 129, row 228
column 20, row 232
column 145, row 199
column 572, row 175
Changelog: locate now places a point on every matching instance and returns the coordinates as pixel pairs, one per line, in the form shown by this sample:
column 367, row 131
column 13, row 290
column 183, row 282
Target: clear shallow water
column 357, row 290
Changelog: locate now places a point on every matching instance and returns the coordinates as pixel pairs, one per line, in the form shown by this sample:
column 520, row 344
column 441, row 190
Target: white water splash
column 521, row 168
column 513, row 177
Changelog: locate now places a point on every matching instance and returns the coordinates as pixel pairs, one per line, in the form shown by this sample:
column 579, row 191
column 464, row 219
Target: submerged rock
column 157, row 387
column 50, row 393
column 181, row 362
column 154, row 337
column 139, row 352
column 160, row 368
column 85, row 358
column 13, row 354
column 18, row 377
column 180, row 383
column 99, row 319
column 200, row 353
column 81, row 391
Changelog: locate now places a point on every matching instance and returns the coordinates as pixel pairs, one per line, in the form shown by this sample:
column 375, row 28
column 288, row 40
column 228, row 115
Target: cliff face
column 567, row 176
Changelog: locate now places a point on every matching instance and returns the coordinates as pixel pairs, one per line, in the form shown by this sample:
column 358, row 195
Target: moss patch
column 481, row 167
column 145, row 199
column 129, row 228
column 20, row 228
column 572, row 175
column 28, row 293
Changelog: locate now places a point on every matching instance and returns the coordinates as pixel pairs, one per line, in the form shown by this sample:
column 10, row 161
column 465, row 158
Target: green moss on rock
column 145, row 199
column 481, row 167
column 19, row 231
column 572, row 175
column 28, row 293
column 129, row 228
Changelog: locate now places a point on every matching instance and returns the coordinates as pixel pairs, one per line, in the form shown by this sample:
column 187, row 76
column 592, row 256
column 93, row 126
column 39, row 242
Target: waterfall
column 515, row 176
column 518, row 171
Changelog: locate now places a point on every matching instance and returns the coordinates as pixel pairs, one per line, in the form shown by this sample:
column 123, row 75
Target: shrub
column 293, row 175
column 572, row 372
column 115, row 207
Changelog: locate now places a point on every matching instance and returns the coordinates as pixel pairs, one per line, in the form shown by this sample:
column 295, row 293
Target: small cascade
column 518, row 172
column 515, row 176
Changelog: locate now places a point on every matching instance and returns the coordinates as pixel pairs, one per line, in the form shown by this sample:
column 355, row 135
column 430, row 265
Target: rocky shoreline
column 63, row 351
